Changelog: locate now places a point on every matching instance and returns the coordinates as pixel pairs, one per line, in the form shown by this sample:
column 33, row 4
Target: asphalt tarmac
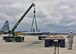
column 32, row 45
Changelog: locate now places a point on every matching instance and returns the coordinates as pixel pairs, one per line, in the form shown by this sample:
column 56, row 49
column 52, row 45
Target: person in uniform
column 70, row 40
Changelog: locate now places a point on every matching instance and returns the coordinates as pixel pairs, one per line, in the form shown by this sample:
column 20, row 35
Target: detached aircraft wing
column 31, row 33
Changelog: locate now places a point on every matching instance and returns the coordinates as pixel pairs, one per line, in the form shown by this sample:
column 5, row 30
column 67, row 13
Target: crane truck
column 13, row 36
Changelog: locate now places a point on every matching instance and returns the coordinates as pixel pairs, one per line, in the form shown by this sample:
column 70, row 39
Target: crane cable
column 34, row 20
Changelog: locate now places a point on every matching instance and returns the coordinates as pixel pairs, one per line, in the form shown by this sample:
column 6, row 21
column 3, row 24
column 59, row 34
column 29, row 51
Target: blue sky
column 52, row 15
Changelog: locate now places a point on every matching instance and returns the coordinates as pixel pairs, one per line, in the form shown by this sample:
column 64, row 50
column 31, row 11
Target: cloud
column 52, row 15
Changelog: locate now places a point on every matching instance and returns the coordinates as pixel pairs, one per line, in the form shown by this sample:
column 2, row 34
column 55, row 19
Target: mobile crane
column 13, row 37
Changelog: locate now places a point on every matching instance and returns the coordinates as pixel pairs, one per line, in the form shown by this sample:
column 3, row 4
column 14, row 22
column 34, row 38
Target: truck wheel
column 39, row 38
column 62, row 43
column 47, row 43
column 51, row 42
column 7, row 39
column 18, row 39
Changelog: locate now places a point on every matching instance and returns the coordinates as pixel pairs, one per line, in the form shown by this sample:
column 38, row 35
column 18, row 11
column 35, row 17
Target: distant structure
column 5, row 27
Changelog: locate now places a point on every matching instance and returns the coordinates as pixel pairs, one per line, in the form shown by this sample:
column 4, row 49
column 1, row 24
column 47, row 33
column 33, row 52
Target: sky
column 51, row 15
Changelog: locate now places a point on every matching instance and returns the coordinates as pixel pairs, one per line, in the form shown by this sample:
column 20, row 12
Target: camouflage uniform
column 70, row 40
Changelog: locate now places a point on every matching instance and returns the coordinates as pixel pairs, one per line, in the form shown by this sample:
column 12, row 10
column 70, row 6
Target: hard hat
column 71, row 32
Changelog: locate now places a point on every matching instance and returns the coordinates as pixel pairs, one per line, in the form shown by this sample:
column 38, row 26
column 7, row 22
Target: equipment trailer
column 50, row 41
column 12, row 36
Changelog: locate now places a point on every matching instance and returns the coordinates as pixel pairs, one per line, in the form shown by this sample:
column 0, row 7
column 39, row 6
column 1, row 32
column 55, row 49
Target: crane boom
column 15, row 26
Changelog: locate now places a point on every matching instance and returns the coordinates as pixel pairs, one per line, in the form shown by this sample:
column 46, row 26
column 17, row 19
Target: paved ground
column 32, row 45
